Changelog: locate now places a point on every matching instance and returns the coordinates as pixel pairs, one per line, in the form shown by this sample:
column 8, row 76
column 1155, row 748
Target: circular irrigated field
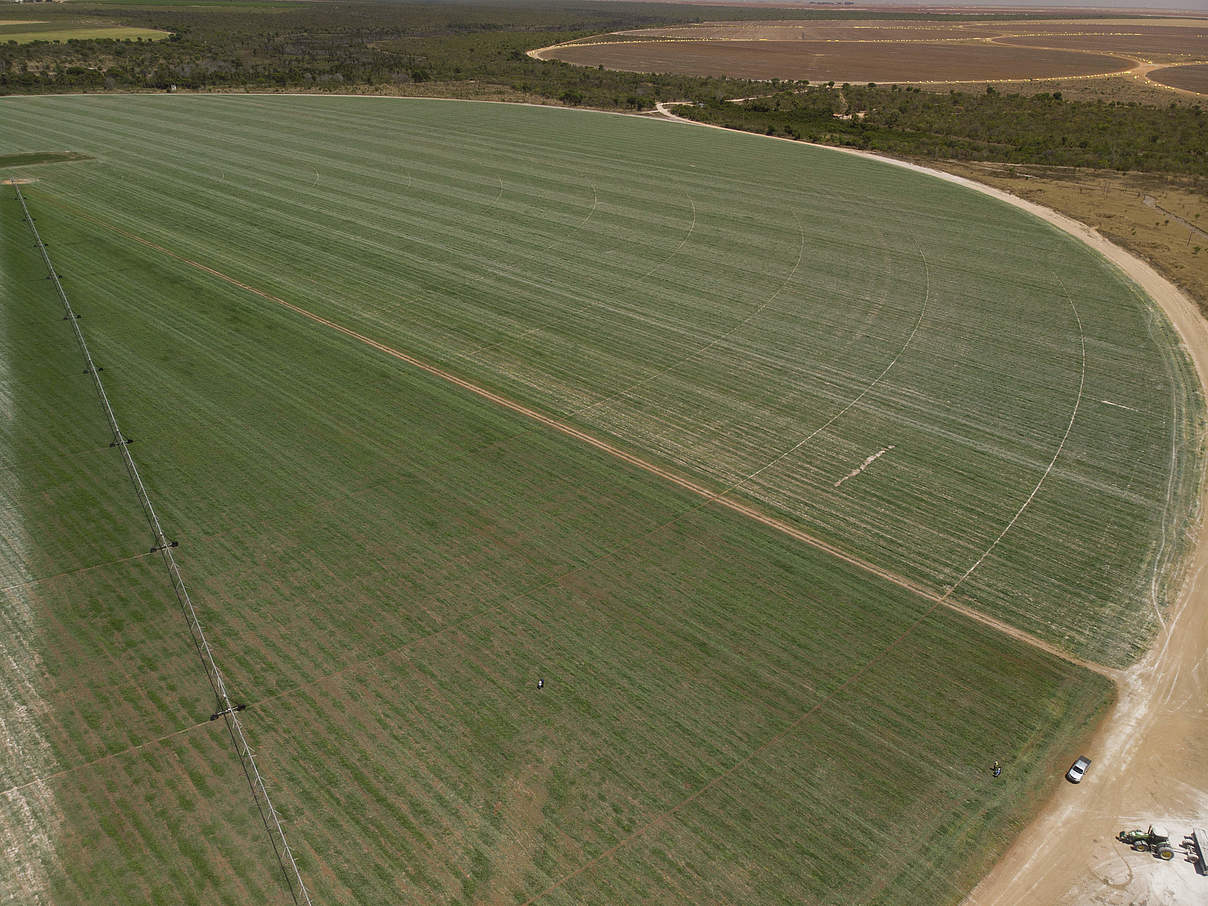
column 1189, row 78
column 892, row 51
column 806, row 484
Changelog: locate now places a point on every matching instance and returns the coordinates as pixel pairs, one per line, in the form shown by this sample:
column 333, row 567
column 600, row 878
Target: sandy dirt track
column 1150, row 756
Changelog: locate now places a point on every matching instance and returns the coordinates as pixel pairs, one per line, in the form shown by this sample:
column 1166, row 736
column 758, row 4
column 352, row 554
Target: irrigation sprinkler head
column 225, row 711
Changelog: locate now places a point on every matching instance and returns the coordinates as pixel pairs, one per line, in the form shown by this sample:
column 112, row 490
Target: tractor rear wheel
column 1166, row 854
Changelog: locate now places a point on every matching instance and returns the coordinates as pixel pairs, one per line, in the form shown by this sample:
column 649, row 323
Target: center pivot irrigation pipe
column 225, row 708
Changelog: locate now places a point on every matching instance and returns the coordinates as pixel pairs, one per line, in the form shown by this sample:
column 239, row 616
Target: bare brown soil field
column 893, row 51
column 1175, row 30
column 1170, row 44
column 820, row 60
column 1188, row 78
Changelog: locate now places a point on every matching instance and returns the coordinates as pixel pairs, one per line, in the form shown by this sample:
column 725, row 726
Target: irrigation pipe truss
column 225, row 709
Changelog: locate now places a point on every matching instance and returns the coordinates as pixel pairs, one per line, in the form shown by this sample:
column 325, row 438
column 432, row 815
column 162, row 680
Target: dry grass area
column 1160, row 217
column 898, row 51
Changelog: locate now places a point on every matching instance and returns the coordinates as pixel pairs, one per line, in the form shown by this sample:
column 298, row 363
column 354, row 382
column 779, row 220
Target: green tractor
column 1154, row 840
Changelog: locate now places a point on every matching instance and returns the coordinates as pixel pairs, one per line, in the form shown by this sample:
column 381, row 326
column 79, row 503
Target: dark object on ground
column 1154, row 840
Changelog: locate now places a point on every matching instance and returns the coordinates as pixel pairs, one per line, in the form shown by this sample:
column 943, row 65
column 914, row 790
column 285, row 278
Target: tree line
column 990, row 125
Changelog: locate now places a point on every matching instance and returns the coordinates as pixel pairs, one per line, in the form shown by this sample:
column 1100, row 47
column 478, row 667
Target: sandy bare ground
column 1151, row 753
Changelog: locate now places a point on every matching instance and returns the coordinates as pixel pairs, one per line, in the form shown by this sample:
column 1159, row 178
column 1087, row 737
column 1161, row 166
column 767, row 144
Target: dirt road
column 1150, row 757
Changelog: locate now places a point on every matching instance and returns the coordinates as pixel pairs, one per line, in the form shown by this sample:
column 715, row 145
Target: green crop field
column 39, row 157
column 386, row 562
column 83, row 30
